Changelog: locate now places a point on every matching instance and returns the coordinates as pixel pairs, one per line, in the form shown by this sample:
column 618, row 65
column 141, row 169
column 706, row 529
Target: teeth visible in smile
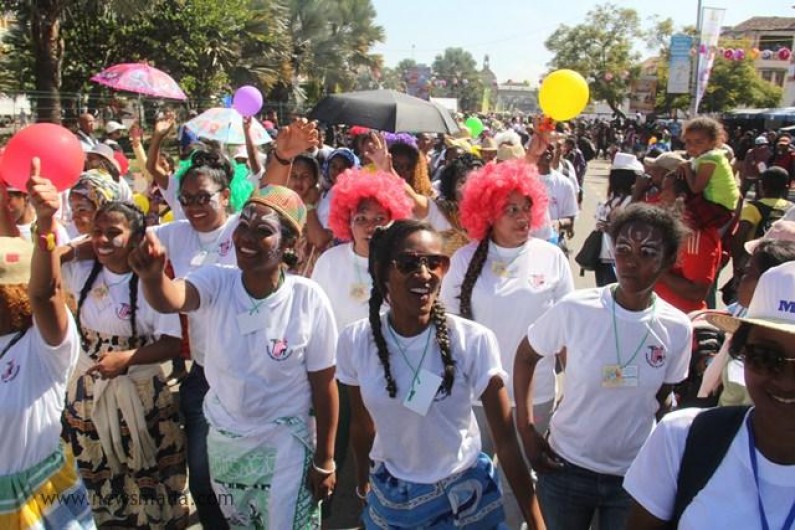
column 104, row 251
column 420, row 290
column 198, row 215
column 247, row 251
column 785, row 401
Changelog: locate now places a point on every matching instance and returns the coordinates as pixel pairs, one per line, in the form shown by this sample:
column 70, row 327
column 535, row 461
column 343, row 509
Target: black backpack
column 769, row 216
column 711, row 434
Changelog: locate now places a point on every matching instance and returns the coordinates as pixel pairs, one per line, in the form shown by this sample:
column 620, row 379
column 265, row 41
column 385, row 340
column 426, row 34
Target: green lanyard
column 615, row 331
column 255, row 305
column 415, row 371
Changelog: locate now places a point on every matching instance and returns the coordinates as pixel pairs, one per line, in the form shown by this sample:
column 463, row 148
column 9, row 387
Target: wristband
column 362, row 496
column 46, row 241
column 325, row 471
column 310, row 207
column 282, row 161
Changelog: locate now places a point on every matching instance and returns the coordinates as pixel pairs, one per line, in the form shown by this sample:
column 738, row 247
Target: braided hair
column 382, row 251
column 136, row 221
column 471, row 277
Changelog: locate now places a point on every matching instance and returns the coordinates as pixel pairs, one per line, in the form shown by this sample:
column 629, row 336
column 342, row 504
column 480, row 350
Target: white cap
column 627, row 161
column 113, row 126
column 761, row 140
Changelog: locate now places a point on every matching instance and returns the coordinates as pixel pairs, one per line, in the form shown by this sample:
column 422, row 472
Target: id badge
column 420, row 396
column 248, row 323
column 499, row 268
column 198, row 258
column 101, row 296
column 359, row 292
column 616, row 376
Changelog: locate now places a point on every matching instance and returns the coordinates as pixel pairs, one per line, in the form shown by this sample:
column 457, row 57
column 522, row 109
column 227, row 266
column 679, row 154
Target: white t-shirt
column 258, row 377
column 423, row 449
column 598, row 428
column 515, row 287
column 188, row 250
column 324, row 208
column 436, row 218
column 106, row 308
column 562, row 196
column 729, row 500
column 343, row 276
column 170, row 196
column 61, row 234
column 33, row 377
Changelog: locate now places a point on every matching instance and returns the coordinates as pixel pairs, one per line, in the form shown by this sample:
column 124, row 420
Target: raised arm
column 251, row 149
column 46, row 295
column 165, row 295
column 294, row 139
column 163, row 126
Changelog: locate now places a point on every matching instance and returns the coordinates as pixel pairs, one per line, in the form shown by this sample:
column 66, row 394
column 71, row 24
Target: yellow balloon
column 141, row 202
column 563, row 95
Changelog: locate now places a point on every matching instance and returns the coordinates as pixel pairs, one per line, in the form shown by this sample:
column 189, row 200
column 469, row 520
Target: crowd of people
column 407, row 299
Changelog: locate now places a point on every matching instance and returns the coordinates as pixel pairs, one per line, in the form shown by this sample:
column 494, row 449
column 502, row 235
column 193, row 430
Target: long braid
column 376, row 299
column 439, row 319
column 472, row 274
column 133, row 309
column 92, row 277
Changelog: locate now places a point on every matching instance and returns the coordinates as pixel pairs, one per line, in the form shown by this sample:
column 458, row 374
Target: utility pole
column 694, row 87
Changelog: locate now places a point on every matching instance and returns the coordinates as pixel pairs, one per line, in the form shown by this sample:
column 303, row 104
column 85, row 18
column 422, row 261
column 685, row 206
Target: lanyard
column 755, row 467
column 255, row 305
column 13, row 341
column 415, row 371
column 615, row 332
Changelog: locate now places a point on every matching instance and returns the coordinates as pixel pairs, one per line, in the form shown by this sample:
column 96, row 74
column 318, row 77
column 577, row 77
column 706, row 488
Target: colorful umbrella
column 226, row 127
column 141, row 79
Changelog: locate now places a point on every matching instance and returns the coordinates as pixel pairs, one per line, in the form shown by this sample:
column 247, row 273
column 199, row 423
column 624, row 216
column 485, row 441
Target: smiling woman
column 412, row 374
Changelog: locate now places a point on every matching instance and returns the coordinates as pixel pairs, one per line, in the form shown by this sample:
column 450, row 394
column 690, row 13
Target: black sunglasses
column 764, row 359
column 200, row 199
column 412, row 263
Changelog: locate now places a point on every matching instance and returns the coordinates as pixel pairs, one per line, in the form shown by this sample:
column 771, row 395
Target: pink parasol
column 141, row 79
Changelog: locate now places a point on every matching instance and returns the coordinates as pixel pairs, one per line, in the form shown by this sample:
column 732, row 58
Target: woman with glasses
column 752, row 485
column 625, row 349
column 506, row 279
column 412, row 374
column 269, row 360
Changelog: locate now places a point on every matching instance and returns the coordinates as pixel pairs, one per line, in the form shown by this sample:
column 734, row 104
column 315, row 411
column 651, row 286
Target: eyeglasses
column 200, row 199
column 764, row 359
column 412, row 263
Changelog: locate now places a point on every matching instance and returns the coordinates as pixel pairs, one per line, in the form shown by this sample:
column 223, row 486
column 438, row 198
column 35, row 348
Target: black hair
column 404, row 149
column 455, row 171
column 137, row 223
column 471, row 276
column 212, row 164
column 620, row 182
column 772, row 253
column 775, row 182
column 310, row 161
column 740, row 339
column 664, row 219
column 383, row 245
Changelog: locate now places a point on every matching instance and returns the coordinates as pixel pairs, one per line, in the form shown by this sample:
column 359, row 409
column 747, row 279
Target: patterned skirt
column 48, row 495
column 151, row 495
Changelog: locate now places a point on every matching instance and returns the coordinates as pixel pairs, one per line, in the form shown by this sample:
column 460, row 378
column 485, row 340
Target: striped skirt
column 49, row 495
column 470, row 499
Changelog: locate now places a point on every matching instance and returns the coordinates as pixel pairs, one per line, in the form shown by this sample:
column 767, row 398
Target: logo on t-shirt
column 10, row 371
column 655, row 356
column 278, row 350
column 537, row 280
column 224, row 248
column 123, row 311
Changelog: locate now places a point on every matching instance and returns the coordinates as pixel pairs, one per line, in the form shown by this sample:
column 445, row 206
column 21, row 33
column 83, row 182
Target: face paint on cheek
column 117, row 241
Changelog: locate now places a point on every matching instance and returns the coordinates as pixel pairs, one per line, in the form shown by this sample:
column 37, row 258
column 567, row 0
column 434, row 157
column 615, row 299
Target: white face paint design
column 642, row 236
column 268, row 222
column 117, row 241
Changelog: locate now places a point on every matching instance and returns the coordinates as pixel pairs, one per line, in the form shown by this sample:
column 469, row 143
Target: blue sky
column 512, row 32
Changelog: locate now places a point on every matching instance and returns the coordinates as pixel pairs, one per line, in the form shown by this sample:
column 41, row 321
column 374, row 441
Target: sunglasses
column 412, row 263
column 764, row 359
column 200, row 199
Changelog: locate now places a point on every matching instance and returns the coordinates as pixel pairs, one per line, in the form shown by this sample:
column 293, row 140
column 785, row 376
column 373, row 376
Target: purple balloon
column 247, row 100
column 739, row 54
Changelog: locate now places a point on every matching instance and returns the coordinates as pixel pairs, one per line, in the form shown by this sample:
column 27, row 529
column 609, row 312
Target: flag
column 711, row 20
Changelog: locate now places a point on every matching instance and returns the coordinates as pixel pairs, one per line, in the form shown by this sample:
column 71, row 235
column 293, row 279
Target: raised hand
column 148, row 259
column 111, row 364
column 296, row 138
column 376, row 150
column 43, row 195
column 166, row 124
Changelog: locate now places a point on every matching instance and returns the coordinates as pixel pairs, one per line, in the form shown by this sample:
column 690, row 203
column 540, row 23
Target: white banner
column 679, row 64
column 711, row 20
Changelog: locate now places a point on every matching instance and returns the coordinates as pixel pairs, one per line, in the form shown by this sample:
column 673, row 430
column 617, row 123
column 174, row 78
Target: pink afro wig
column 356, row 185
column 487, row 190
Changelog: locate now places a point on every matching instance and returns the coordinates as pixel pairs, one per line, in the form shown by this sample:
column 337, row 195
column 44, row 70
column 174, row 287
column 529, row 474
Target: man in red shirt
column 784, row 155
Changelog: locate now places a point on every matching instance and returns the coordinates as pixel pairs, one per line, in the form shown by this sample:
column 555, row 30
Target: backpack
column 769, row 216
column 711, row 434
column 587, row 148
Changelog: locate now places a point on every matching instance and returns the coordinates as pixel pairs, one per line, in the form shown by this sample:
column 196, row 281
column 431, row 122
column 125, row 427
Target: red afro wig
column 355, row 185
column 486, row 192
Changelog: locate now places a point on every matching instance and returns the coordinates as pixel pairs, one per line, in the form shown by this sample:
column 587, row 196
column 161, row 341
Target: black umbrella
column 384, row 110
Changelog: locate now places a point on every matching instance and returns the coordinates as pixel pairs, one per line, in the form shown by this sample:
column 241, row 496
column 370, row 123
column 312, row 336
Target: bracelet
column 45, row 240
column 282, row 161
column 362, row 496
column 310, row 207
column 325, row 471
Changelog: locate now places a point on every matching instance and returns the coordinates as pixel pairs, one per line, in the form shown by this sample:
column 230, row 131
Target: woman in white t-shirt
column 120, row 418
column 625, row 349
column 39, row 346
column 317, row 229
column 203, row 238
column 413, row 374
column 752, row 485
column 269, row 362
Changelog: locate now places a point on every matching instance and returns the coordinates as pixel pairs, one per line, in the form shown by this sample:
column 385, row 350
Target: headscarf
column 96, row 186
column 344, row 152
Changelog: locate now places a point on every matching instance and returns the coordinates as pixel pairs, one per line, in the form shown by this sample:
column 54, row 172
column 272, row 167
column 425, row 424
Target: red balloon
column 59, row 150
column 124, row 162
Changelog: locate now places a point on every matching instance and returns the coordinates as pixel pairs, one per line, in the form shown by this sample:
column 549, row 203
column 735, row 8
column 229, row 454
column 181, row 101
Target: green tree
column 734, row 84
column 458, row 69
column 600, row 49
